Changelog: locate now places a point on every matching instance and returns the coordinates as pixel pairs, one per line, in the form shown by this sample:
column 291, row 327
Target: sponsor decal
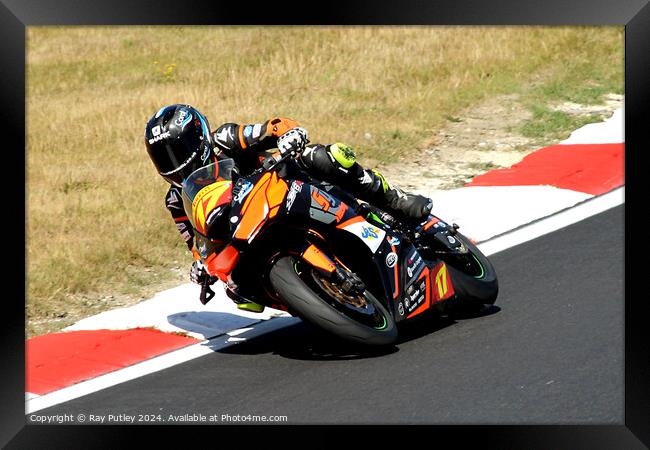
column 248, row 130
column 365, row 179
column 391, row 260
column 411, row 269
column 451, row 239
column 155, row 130
column 442, row 282
column 370, row 232
column 246, row 187
column 206, row 153
column 257, row 130
column 411, row 256
column 224, row 134
column 173, row 201
column 173, row 197
column 160, row 137
column 392, row 240
column 296, row 187
column 363, row 228
column 400, row 309
column 184, row 117
column 322, row 200
column 414, row 298
column 326, row 208
column 203, row 249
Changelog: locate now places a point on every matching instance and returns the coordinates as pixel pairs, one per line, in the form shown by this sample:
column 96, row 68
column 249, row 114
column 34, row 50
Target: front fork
column 349, row 282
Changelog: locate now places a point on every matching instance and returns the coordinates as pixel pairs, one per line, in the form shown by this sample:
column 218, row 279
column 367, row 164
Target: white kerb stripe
column 554, row 222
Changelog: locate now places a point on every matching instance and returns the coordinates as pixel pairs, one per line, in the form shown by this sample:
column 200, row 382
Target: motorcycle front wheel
column 359, row 318
column 472, row 274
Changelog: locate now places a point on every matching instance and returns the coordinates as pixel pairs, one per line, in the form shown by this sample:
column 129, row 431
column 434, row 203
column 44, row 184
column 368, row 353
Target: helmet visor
column 174, row 154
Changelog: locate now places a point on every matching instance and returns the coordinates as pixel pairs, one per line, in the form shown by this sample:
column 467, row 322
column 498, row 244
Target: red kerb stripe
column 58, row 360
column 591, row 168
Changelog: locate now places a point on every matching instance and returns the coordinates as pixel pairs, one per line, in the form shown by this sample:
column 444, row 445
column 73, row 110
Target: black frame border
column 16, row 15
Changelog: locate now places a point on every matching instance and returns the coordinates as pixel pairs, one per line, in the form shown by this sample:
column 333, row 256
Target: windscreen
column 201, row 178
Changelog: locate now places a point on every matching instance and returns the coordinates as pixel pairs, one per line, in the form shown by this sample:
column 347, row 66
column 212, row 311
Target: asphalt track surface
column 551, row 351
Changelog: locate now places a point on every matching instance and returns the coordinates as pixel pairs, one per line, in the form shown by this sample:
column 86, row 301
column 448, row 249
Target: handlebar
column 270, row 163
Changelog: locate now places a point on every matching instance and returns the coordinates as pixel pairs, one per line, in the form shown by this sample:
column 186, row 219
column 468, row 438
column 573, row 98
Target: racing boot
column 232, row 291
column 394, row 199
column 250, row 307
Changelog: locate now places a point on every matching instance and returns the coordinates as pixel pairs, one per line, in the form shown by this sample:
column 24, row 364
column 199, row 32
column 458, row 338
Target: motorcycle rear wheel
column 364, row 320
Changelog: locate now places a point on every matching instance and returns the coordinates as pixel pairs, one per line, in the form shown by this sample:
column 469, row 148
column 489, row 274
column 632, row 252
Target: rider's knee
column 342, row 154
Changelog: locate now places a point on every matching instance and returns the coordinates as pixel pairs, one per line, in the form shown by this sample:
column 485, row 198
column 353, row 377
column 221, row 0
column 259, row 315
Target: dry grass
column 96, row 220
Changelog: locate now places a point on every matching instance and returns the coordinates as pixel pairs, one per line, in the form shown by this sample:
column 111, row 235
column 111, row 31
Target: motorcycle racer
column 179, row 141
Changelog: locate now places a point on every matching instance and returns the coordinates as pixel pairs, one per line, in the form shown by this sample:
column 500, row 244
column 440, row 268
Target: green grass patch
column 459, row 182
column 482, row 166
column 548, row 126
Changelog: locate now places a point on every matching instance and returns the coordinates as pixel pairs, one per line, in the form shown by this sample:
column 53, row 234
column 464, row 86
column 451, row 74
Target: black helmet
column 178, row 142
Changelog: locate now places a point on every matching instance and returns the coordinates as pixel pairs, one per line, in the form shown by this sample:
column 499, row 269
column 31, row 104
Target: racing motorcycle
column 282, row 240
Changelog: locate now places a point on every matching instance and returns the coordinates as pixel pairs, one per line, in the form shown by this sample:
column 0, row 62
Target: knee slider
column 343, row 154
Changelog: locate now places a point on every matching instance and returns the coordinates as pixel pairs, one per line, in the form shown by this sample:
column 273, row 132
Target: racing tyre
column 361, row 318
column 472, row 275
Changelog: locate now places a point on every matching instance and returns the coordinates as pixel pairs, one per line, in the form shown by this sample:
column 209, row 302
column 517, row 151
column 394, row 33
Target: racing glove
column 293, row 140
column 198, row 274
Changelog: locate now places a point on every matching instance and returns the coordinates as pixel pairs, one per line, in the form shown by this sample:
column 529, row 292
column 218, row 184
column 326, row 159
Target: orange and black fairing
column 314, row 256
column 437, row 287
column 262, row 203
column 426, row 295
column 222, row 264
column 442, row 286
